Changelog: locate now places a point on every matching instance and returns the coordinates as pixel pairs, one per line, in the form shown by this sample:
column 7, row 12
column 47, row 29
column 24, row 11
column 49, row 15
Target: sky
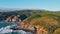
column 31, row 4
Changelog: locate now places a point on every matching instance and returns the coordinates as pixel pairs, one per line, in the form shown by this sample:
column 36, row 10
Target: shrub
column 57, row 31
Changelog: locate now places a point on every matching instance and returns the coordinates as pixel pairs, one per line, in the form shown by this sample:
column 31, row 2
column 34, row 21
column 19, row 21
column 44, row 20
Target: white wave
column 20, row 31
column 8, row 30
column 5, row 29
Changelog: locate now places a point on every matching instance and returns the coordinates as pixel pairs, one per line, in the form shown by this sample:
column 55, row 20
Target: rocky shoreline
column 36, row 29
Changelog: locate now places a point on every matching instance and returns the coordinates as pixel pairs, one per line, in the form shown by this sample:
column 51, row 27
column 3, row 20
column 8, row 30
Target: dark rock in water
column 14, row 28
column 26, row 30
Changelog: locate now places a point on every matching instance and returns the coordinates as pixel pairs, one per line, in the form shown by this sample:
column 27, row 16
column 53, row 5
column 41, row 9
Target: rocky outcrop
column 8, row 19
column 39, row 29
column 36, row 29
column 14, row 19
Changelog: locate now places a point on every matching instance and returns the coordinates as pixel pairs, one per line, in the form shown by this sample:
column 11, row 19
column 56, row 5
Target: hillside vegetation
column 47, row 19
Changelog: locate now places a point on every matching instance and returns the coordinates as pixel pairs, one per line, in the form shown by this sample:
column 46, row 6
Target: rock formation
column 14, row 19
column 8, row 19
column 36, row 29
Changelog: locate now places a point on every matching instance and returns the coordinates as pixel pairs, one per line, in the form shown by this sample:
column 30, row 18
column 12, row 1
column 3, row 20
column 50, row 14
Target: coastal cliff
column 23, row 25
column 42, row 23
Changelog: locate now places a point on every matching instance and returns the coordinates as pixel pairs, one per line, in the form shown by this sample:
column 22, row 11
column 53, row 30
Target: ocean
column 5, row 29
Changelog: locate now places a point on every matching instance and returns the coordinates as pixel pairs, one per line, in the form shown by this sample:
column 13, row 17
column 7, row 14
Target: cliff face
column 34, row 25
column 34, row 28
column 40, row 29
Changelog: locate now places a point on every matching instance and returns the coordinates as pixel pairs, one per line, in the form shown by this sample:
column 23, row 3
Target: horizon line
column 27, row 9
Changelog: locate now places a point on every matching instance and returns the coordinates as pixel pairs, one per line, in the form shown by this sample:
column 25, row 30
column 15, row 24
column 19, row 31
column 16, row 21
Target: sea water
column 5, row 29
